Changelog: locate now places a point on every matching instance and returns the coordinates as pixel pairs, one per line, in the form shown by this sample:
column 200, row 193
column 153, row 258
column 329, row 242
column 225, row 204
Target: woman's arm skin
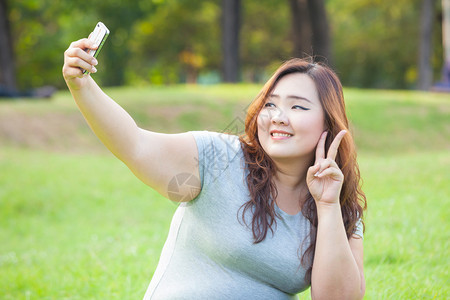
column 337, row 271
column 338, row 263
column 153, row 157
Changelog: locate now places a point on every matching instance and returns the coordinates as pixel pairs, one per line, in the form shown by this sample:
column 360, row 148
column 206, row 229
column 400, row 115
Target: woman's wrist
column 328, row 208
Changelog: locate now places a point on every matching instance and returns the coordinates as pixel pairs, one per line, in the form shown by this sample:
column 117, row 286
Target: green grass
column 76, row 224
column 76, row 227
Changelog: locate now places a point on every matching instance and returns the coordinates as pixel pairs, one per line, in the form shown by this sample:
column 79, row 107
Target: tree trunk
column 425, row 47
column 320, row 31
column 310, row 30
column 446, row 29
column 301, row 28
column 231, row 23
column 446, row 41
column 7, row 71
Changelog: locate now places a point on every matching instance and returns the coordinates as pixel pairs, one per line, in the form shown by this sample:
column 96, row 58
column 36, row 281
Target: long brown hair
column 261, row 168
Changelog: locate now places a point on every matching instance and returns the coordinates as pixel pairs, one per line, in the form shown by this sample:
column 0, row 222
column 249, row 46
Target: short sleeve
column 359, row 229
column 215, row 153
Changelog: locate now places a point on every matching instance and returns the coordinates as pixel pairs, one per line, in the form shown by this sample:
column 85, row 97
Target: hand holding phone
column 98, row 37
column 81, row 55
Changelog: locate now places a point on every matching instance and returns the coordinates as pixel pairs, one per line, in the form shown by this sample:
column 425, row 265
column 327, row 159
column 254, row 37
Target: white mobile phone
column 98, row 36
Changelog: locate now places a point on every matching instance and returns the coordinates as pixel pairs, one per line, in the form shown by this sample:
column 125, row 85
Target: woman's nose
column 279, row 117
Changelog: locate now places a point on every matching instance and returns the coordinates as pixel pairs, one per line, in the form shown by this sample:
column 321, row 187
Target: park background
column 76, row 224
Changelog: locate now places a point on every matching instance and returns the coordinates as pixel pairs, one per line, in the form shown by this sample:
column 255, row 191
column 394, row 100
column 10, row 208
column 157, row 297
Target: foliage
column 178, row 41
column 375, row 43
column 40, row 33
column 265, row 37
column 42, row 30
column 120, row 16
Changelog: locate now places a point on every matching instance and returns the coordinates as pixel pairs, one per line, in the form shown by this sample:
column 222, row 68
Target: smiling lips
column 279, row 134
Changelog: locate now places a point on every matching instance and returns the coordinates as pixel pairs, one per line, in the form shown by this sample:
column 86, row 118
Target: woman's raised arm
column 337, row 271
column 153, row 157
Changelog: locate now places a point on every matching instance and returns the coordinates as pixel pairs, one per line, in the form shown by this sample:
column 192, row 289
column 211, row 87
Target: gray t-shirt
column 210, row 254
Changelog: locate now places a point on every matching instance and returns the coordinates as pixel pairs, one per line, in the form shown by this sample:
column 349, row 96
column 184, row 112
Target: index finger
column 83, row 44
column 332, row 152
column 320, row 148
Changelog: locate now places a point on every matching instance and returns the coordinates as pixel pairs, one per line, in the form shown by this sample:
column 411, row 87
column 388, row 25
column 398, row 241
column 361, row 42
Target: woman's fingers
column 75, row 57
column 312, row 171
column 83, row 44
column 320, row 148
column 324, row 165
column 321, row 162
column 78, row 52
column 76, row 62
column 332, row 152
column 72, row 72
column 334, row 173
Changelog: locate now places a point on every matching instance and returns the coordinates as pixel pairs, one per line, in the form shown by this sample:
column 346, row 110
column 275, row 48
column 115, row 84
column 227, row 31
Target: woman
column 267, row 214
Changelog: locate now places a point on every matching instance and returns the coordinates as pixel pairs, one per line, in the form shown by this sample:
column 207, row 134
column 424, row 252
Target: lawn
column 76, row 224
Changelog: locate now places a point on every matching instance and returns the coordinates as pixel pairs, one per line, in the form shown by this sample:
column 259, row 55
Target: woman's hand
column 325, row 179
column 76, row 59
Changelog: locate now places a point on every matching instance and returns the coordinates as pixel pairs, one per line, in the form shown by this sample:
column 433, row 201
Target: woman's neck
column 290, row 180
column 291, row 175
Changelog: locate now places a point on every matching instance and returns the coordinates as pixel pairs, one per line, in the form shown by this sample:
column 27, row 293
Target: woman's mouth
column 280, row 134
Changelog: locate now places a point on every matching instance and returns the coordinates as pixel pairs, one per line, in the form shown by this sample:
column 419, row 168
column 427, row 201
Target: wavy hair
column 261, row 167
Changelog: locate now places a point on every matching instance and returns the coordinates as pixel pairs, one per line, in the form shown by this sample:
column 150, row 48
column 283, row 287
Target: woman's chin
column 286, row 155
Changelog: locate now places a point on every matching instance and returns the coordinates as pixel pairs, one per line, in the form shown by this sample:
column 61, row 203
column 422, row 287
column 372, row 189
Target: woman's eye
column 299, row 107
column 269, row 104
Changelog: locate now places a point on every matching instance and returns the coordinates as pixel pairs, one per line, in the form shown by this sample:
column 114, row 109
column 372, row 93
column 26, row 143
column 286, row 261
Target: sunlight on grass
column 76, row 224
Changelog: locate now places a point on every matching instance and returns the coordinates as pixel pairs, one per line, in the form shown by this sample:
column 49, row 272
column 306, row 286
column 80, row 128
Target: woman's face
column 292, row 119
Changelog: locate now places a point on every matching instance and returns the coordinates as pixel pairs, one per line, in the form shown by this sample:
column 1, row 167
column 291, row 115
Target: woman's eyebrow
column 291, row 97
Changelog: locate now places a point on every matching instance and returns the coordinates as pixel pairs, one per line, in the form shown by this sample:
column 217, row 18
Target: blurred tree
column 320, row 30
column 301, row 28
column 425, row 70
column 310, row 29
column 265, row 38
column 120, row 16
column 375, row 42
column 41, row 31
column 446, row 43
column 231, row 23
column 171, row 45
column 7, row 67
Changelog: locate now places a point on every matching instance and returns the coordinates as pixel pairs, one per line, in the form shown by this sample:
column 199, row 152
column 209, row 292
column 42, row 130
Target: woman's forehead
column 294, row 85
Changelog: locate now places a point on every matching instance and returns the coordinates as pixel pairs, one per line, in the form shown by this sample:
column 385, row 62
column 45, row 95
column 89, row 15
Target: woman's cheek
column 262, row 121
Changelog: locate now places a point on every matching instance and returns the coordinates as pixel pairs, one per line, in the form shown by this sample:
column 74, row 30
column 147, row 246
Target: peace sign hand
column 325, row 179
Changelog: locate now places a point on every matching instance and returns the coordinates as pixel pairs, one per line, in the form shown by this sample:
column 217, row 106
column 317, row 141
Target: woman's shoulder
column 217, row 142
column 227, row 137
column 217, row 152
